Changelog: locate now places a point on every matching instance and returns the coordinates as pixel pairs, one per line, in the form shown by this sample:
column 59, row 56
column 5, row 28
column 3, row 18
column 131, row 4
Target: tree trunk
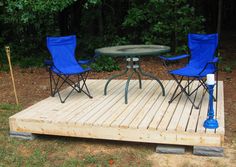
column 219, row 19
column 63, row 22
column 100, row 20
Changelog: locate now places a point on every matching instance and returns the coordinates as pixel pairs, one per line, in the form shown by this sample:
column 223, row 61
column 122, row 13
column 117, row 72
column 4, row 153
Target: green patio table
column 132, row 55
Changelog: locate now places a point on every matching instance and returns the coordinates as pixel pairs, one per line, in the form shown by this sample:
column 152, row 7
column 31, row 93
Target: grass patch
column 10, row 107
column 90, row 159
column 65, row 151
column 38, row 158
column 4, row 68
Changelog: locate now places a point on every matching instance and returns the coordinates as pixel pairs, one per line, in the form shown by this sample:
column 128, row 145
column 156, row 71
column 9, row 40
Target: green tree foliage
column 24, row 24
column 27, row 23
column 162, row 22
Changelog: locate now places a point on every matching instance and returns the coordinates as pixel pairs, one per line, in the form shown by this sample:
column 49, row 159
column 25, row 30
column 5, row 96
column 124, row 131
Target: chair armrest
column 88, row 61
column 84, row 62
column 174, row 58
column 48, row 62
column 215, row 60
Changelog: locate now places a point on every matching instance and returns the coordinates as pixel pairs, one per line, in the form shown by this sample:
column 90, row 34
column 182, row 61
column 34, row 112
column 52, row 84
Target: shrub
column 105, row 63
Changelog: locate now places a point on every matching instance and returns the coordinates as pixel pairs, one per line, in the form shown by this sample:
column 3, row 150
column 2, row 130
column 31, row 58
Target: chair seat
column 72, row 70
column 189, row 71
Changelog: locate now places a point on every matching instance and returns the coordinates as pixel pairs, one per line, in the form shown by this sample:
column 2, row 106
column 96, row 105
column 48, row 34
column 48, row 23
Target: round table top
column 133, row 50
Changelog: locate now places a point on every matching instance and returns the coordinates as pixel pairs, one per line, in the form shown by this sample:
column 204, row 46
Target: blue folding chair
column 64, row 65
column 86, row 62
column 202, row 61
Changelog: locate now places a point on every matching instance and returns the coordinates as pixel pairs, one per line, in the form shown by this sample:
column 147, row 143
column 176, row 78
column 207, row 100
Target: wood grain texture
column 148, row 116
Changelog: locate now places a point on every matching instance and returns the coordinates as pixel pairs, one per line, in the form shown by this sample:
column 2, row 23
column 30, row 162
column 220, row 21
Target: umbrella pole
column 7, row 48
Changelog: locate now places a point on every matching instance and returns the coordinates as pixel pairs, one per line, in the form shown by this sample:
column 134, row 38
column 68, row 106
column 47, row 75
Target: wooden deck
column 148, row 117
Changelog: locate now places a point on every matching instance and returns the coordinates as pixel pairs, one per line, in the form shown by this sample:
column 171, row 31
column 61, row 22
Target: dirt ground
column 33, row 85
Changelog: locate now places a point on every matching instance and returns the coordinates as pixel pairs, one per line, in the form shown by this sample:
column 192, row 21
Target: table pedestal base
column 133, row 65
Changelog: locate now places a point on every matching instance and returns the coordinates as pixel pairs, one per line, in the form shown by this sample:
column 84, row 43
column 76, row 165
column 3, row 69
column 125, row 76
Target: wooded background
column 24, row 24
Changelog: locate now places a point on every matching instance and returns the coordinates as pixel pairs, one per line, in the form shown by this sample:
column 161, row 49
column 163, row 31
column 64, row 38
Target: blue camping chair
column 64, row 65
column 86, row 62
column 202, row 61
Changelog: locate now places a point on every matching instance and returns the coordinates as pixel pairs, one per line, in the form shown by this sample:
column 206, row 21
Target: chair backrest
column 62, row 50
column 202, row 48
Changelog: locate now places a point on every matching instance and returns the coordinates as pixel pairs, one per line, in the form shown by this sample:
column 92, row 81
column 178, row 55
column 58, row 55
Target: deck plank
column 220, row 109
column 148, row 106
column 203, row 114
column 169, row 112
column 162, row 109
column 131, row 107
column 73, row 102
column 155, row 108
column 97, row 102
column 117, row 112
column 148, row 117
column 184, row 119
column 193, row 120
column 178, row 112
column 104, row 107
column 78, row 106
column 53, row 104
column 143, row 107
column 117, row 109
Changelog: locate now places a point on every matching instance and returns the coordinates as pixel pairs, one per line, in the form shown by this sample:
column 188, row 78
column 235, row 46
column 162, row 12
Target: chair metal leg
column 78, row 85
column 188, row 86
column 197, row 87
column 184, row 91
column 173, row 96
column 85, row 85
column 63, row 100
column 187, row 92
column 56, row 85
column 85, row 80
column 203, row 83
column 75, row 86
